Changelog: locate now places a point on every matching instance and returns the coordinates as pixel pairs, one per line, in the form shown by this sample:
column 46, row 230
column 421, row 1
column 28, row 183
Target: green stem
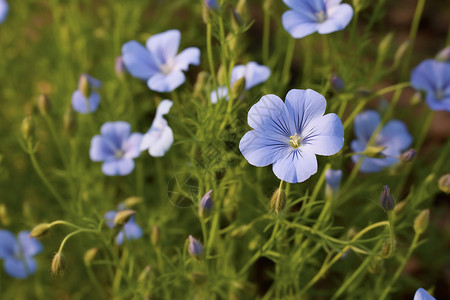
column 266, row 37
column 288, row 61
column 64, row 241
column 210, row 54
column 391, row 235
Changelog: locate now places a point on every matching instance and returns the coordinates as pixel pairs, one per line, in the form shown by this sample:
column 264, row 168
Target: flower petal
column 132, row 230
column 254, row 74
column 365, row 124
column 164, row 45
column 115, row 133
column 101, row 149
column 333, row 178
column 132, row 145
column 337, row 19
column 423, row 77
column 166, row 83
column 299, row 24
column 163, row 108
column 323, row 135
column 312, row 6
column 304, row 106
column 422, row 294
column 219, row 94
column 261, row 149
column 394, row 135
column 30, row 246
column 295, row 167
column 138, row 60
column 4, row 9
column 121, row 167
column 109, row 218
column 189, row 56
column 18, row 269
column 82, row 105
column 7, row 244
column 162, row 144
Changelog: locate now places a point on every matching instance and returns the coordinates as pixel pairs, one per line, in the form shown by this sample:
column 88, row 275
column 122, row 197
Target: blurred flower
column 337, row 83
column 211, row 4
column 389, row 143
column 309, row 16
column 289, row 134
column 18, row 253
column 159, row 63
column 253, row 73
column 421, row 294
column 333, row 180
column 195, row 248
column 84, row 100
column 433, row 77
column 131, row 230
column 116, row 147
column 4, row 9
column 159, row 137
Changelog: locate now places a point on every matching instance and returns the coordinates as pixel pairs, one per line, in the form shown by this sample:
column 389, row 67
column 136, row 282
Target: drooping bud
column 421, row 221
column 122, row 217
column 408, row 155
column 58, row 264
column 195, row 248
column 84, row 86
column 206, row 205
column 333, row 180
column 132, row 201
column 386, row 199
column 337, row 83
column 278, row 201
column 444, row 183
column 69, row 122
column 40, row 230
column 89, row 256
column 119, row 67
column 44, row 105
column 444, row 55
column 27, row 128
column 238, row 87
column 155, row 236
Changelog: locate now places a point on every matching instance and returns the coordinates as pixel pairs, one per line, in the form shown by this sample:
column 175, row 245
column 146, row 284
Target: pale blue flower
column 159, row 137
column 433, row 77
column 116, row 147
column 394, row 136
column 289, row 134
column 158, row 62
column 421, row 294
column 85, row 99
column 4, row 9
column 131, row 230
column 309, row 16
column 333, row 178
column 254, row 74
column 195, row 249
column 18, row 253
column 211, row 4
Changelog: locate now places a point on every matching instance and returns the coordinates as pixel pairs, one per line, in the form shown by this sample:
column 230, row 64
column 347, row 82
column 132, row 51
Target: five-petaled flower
column 158, row 62
column 18, row 253
column 289, row 134
column 433, row 77
column 130, row 230
column 422, row 294
column 84, row 99
column 309, row 16
column 391, row 140
column 116, row 147
column 253, row 73
column 4, row 9
column 159, row 137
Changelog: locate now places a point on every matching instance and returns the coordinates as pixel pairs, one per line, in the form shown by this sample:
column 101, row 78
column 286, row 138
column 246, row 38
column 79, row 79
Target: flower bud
column 240, row 231
column 401, row 52
column 376, row 265
column 119, row 67
column 145, row 274
column 278, row 201
column 4, row 219
column 268, row 5
column 58, row 264
column 206, row 205
column 236, row 19
column 386, row 199
column 416, row 99
column 238, row 87
column 89, row 256
column 40, row 230
column 386, row 247
column 337, row 83
column 122, row 217
column 132, row 201
column 195, row 249
column 399, row 207
column 155, row 236
column 421, row 221
column 408, row 155
column 27, row 128
column 84, row 86
column 384, row 46
column 198, row 278
column 444, row 183
column 375, row 151
column 44, row 105
column 444, row 55
column 69, row 122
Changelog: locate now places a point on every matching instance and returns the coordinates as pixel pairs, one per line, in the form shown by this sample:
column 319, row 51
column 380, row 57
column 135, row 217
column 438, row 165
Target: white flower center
column 119, row 154
column 166, row 68
column 321, row 16
column 295, row 140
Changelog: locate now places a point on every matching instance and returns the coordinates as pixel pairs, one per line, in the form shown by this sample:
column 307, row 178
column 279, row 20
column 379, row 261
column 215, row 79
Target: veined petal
column 323, row 135
column 101, row 149
column 261, row 148
column 220, row 93
column 189, row 56
column 395, row 134
column 132, row 146
column 299, row 24
column 365, row 124
column 166, row 83
column 138, row 60
column 30, row 246
column 271, row 115
column 312, row 6
column 164, row 46
column 20, row 269
column 338, row 18
column 121, row 167
column 295, row 167
column 7, row 244
column 304, row 106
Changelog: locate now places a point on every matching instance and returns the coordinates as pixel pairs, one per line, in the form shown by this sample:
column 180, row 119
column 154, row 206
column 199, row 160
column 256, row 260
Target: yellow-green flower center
column 119, row 153
column 295, row 140
column 321, row 16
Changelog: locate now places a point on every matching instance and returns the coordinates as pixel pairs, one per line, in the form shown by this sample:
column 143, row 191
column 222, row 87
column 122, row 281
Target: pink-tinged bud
column 195, row 248
column 408, row 155
column 444, row 55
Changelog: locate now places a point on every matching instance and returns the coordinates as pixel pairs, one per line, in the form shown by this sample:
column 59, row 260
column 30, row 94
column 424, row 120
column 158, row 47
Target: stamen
column 321, row 16
column 119, row 153
column 295, row 140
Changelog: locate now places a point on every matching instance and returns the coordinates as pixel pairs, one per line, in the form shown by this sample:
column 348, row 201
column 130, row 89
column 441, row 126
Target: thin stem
column 210, row 54
column 288, row 61
column 266, row 37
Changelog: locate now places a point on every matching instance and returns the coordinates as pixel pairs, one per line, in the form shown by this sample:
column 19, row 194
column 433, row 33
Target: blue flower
column 4, row 9
column 433, row 77
column 130, row 231
column 18, row 253
column 159, row 137
column 84, row 100
column 289, row 134
column 159, row 63
column 254, row 74
column 211, row 4
column 394, row 136
column 421, row 294
column 333, row 179
column 309, row 16
column 116, row 147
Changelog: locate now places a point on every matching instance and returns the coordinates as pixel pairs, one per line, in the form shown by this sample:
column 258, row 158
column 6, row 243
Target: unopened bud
column 268, row 5
column 211, row 4
column 69, row 122
column 27, row 128
column 4, row 219
column 222, row 74
column 376, row 265
column 444, row 183
column 119, row 67
column 145, row 274
column 375, row 151
column 200, row 83
column 206, row 205
column 337, row 83
column 198, row 278
column 89, row 256
column 58, row 264
column 384, row 46
column 408, row 155
column 386, row 199
column 122, row 217
column 278, row 201
column 444, row 55
column 240, row 231
column 40, row 230
column 84, row 86
column 195, row 248
column 417, row 98
column 238, row 87
column 421, row 221
column 401, row 52
column 236, row 20
column 241, row 7
column 155, row 236
column 399, row 207
column 132, row 201
column 44, row 105
column 386, row 248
